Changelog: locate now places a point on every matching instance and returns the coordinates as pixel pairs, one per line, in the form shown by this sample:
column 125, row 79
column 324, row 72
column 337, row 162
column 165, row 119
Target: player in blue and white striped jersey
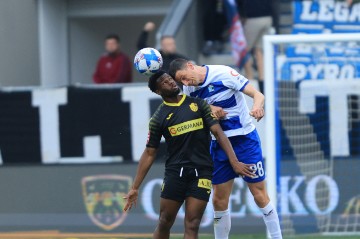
column 224, row 88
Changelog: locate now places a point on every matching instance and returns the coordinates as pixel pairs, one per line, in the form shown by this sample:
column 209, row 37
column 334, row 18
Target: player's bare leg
column 259, row 58
column 194, row 210
column 259, row 62
column 249, row 73
column 258, row 190
column 222, row 219
column 168, row 212
column 270, row 215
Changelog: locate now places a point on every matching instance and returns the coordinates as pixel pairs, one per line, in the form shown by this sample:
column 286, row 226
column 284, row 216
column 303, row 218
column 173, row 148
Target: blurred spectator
column 257, row 20
column 167, row 46
column 352, row 2
column 214, row 25
column 114, row 66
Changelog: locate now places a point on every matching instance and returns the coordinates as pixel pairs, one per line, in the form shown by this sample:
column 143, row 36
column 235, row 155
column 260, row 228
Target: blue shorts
column 247, row 149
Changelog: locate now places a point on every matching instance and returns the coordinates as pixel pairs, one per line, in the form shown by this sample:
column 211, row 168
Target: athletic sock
column 271, row 220
column 222, row 224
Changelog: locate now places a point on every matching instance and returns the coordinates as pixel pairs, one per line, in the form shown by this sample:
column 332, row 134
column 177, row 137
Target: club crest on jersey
column 103, row 197
column 194, row 107
column 211, row 88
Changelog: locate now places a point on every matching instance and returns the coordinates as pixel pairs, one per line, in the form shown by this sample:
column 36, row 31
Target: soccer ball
column 148, row 61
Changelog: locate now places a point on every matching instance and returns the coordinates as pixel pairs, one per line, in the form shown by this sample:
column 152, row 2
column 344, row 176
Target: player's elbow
column 149, row 154
column 150, row 151
column 216, row 131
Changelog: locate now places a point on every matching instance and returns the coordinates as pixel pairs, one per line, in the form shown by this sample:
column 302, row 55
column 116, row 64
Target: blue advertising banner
column 321, row 61
column 328, row 16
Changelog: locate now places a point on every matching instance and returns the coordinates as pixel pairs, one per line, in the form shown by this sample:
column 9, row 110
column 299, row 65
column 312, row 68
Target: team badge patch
column 211, row 88
column 194, row 107
column 103, row 197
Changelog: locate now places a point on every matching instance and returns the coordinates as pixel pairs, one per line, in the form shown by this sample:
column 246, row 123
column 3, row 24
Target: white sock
column 222, row 224
column 271, row 220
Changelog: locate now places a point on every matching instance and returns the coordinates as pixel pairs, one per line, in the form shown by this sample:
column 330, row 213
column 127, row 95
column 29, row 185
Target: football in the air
column 148, row 61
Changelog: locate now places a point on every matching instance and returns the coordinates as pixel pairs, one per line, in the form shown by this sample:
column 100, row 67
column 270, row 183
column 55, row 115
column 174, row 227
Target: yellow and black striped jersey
column 186, row 129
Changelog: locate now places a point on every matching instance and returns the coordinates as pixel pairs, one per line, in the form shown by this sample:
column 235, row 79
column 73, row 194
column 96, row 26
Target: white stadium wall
column 19, row 49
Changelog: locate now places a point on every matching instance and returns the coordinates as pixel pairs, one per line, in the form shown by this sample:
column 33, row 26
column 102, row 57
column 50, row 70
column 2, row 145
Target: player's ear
column 190, row 65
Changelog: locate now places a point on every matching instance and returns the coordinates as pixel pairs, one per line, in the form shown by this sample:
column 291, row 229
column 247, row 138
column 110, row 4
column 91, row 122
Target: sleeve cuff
column 242, row 88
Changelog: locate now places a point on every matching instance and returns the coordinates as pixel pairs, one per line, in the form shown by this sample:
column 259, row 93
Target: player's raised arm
column 257, row 110
column 146, row 160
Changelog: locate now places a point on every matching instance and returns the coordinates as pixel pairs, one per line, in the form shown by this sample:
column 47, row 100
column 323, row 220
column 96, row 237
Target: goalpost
column 312, row 127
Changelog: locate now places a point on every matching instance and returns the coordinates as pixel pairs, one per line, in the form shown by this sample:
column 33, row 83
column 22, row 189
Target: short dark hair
column 152, row 83
column 177, row 65
column 113, row 36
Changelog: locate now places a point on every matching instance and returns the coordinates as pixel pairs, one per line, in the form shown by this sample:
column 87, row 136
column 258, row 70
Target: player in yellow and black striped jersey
column 185, row 123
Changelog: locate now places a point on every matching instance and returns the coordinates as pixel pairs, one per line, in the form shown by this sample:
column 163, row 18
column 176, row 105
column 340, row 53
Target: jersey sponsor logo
column 169, row 116
column 194, row 107
column 186, row 127
column 104, row 199
column 204, row 183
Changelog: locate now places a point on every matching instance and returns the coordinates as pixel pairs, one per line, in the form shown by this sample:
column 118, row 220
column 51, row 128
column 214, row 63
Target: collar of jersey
column 176, row 104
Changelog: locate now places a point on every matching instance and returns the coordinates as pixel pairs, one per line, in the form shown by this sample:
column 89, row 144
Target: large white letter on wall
column 338, row 92
column 48, row 102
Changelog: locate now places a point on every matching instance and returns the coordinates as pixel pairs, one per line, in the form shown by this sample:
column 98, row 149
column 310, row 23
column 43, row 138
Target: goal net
column 312, row 89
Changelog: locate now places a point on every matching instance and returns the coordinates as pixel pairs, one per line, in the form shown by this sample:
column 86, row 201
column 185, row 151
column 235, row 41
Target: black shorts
column 184, row 182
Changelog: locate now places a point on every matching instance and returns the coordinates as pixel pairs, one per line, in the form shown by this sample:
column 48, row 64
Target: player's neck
column 173, row 99
column 202, row 70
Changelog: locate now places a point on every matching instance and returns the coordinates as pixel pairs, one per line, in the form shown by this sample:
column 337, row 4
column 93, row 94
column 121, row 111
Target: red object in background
column 237, row 37
column 113, row 69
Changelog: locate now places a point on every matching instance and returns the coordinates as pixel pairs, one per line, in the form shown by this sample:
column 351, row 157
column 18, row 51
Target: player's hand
column 257, row 113
column 218, row 112
column 244, row 169
column 131, row 199
column 149, row 26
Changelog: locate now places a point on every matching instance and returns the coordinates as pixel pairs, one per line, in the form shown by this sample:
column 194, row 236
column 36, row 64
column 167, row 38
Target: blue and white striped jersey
column 222, row 87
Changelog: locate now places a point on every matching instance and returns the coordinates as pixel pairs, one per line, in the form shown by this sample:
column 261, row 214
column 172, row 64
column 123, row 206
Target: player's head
column 184, row 72
column 112, row 43
column 163, row 84
column 168, row 44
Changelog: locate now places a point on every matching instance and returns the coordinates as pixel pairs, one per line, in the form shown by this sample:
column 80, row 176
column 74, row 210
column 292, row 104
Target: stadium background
column 65, row 143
